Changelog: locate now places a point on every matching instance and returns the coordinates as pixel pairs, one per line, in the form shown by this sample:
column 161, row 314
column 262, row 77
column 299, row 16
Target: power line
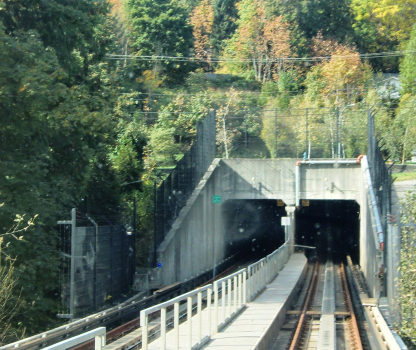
column 249, row 60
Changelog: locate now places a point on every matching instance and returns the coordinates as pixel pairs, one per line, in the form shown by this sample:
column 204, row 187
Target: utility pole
column 72, row 277
column 337, row 142
column 245, row 140
column 306, row 133
column 275, row 132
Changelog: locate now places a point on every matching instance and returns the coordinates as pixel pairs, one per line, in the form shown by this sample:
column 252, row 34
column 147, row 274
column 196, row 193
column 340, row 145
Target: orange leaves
column 202, row 19
column 261, row 39
column 341, row 75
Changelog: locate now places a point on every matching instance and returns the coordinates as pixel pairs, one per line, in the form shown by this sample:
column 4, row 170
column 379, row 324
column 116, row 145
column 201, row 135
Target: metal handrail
column 99, row 334
column 144, row 317
column 236, row 283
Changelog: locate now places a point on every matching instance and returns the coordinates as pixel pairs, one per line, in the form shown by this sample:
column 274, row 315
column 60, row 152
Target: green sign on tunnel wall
column 216, row 199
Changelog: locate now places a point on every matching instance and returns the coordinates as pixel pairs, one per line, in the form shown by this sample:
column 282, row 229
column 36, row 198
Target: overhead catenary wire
column 249, row 60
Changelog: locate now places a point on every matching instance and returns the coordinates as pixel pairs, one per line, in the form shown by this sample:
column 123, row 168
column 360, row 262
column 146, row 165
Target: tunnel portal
column 253, row 227
column 332, row 226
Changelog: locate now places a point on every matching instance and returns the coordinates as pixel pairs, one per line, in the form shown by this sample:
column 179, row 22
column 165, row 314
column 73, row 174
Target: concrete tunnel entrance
column 253, row 227
column 332, row 226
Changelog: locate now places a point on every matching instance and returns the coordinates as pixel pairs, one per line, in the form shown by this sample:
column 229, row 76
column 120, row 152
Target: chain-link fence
column 292, row 133
column 97, row 264
column 380, row 174
column 172, row 193
column 382, row 183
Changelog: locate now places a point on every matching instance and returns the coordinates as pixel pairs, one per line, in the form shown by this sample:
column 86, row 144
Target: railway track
column 131, row 326
column 121, row 319
column 328, row 314
column 324, row 315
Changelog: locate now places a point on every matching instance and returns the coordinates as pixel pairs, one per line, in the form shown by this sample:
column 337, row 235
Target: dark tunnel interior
column 332, row 226
column 253, row 227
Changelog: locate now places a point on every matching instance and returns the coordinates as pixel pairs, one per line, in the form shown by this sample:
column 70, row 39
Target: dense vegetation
column 97, row 96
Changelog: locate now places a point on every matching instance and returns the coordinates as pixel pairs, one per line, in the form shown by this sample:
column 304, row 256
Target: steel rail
column 302, row 319
column 355, row 333
column 135, row 323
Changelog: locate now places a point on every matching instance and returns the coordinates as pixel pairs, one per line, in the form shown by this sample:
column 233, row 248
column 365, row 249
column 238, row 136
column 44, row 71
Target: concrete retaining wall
column 196, row 238
column 197, row 241
column 330, row 181
column 370, row 252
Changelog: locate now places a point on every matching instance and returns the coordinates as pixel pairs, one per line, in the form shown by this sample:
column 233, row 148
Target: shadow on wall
column 253, row 227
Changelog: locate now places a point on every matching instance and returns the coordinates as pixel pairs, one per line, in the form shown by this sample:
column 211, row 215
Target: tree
column 408, row 66
column 49, row 133
column 279, row 134
column 163, row 149
column 332, row 18
column 224, row 26
column 339, row 80
column 202, row 20
column 403, row 128
column 382, row 26
column 333, row 87
column 77, row 29
column 407, row 282
column 161, row 28
column 259, row 43
column 10, row 302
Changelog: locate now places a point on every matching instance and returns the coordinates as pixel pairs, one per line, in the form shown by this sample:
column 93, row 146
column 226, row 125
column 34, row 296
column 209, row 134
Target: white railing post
column 209, row 293
column 145, row 325
column 244, row 287
column 268, row 272
column 100, row 341
column 215, row 307
column 189, row 319
column 249, row 283
column 229, row 297
column 235, row 293
column 163, row 327
column 239, row 291
column 258, row 273
column 176, row 325
column 199, row 311
column 223, row 290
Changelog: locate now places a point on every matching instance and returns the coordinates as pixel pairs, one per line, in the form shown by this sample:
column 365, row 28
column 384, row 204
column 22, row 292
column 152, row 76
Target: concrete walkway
column 255, row 325
column 254, row 328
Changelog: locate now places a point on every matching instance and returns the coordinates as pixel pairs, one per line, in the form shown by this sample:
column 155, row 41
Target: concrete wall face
column 259, row 179
column 330, row 181
column 196, row 238
column 370, row 252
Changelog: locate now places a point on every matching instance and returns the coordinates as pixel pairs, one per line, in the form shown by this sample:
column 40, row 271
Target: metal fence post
column 72, row 277
column 275, row 133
